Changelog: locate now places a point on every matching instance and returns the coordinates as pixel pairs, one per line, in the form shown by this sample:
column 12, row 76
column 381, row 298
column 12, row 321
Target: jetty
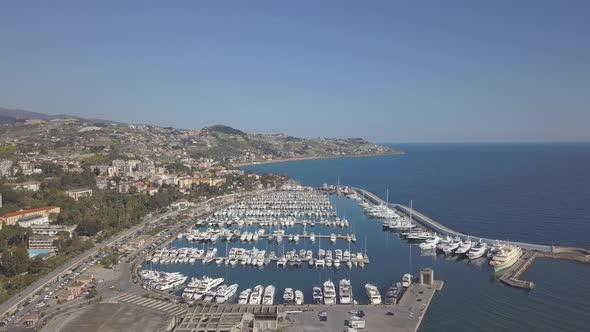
column 512, row 276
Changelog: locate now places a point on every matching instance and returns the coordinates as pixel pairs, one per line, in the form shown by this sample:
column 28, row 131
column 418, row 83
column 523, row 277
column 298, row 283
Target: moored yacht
column 256, row 295
column 478, row 250
column 345, row 292
column 464, row 247
column 407, row 280
column 288, row 296
column 329, row 292
column 299, row 297
column 318, row 297
column 373, row 294
column 226, row 294
column 506, row 257
column 244, row 296
column 393, row 293
column 269, row 295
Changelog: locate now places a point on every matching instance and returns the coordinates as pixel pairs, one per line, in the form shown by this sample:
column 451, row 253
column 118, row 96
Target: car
column 360, row 313
column 389, row 313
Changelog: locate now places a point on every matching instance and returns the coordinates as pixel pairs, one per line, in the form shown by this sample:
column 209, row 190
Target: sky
column 388, row 71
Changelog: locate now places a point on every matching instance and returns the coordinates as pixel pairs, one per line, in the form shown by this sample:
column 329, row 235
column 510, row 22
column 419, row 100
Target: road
column 11, row 304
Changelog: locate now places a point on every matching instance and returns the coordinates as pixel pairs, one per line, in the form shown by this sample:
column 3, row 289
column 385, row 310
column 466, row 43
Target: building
column 13, row 217
column 26, row 185
column 29, row 320
column 75, row 289
column 76, row 194
column 36, row 219
column 85, row 280
column 42, row 242
column 64, row 295
column 51, row 230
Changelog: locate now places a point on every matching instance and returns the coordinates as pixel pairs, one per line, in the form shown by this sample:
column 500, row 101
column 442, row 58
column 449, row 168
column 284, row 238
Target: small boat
column 269, row 295
column 478, row 250
column 407, row 280
column 288, row 296
column 373, row 294
column 394, row 293
column 225, row 294
column 256, row 295
column 318, row 297
column 329, row 292
column 333, row 238
column 244, row 296
column 345, row 292
column 299, row 300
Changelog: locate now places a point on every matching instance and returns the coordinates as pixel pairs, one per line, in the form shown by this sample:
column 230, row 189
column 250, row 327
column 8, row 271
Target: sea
column 538, row 193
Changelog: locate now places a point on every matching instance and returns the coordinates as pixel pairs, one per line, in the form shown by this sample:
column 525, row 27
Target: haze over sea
column 537, row 193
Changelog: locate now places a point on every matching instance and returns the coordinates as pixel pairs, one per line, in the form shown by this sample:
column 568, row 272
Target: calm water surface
column 536, row 193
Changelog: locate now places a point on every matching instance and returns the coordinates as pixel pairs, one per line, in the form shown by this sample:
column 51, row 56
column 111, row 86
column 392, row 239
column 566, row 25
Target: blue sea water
column 537, row 193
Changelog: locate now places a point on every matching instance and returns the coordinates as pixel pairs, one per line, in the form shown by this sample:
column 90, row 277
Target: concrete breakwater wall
column 443, row 230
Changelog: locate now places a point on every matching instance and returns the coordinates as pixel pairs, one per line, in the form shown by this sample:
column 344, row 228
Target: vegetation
column 110, row 259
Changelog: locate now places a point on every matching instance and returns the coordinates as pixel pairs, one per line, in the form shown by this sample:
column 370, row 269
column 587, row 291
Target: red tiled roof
column 18, row 213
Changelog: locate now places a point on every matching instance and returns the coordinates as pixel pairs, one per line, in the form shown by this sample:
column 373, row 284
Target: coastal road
column 11, row 304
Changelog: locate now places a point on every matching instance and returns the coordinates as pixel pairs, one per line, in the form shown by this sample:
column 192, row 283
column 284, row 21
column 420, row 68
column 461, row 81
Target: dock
column 512, row 276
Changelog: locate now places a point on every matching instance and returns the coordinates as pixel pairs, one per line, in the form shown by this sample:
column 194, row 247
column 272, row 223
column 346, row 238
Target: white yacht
column 506, row 257
column 269, row 295
column 464, row 247
column 191, row 288
column 318, row 297
column 299, row 297
column 345, row 292
column 452, row 246
column 225, row 294
column 430, row 243
column 288, row 296
column 244, row 296
column 206, row 285
column 256, row 295
column 329, row 292
column 478, row 250
column 333, row 238
column 373, row 294
column 407, row 280
column 494, row 249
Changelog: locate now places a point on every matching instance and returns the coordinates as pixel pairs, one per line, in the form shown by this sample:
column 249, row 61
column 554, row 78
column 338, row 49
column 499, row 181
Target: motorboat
column 506, row 257
column 452, row 246
column 299, row 297
column 318, row 296
column 430, row 243
column 394, row 293
column 244, row 296
column 288, row 296
column 407, row 280
column 373, row 294
column 464, row 247
column 329, row 292
column 478, row 250
column 269, row 295
column 225, row 294
column 256, row 295
column 345, row 291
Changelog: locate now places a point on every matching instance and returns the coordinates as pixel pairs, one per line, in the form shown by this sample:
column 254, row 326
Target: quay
column 512, row 276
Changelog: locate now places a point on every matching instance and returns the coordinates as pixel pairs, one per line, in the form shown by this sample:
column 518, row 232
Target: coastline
column 275, row 161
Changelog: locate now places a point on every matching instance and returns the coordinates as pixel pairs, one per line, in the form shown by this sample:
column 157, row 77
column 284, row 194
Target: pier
column 512, row 276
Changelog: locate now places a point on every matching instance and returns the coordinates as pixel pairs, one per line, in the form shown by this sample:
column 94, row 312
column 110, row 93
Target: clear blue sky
column 432, row 72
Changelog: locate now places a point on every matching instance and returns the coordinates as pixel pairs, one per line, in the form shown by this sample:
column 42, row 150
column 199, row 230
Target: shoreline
column 276, row 161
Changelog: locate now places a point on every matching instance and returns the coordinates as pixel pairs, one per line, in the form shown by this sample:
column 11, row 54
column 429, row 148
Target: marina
column 242, row 250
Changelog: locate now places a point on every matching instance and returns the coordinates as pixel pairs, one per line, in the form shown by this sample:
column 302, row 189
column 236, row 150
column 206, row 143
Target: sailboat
column 320, row 262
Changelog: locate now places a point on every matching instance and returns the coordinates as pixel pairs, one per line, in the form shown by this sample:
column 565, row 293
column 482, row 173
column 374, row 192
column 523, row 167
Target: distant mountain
column 226, row 130
column 8, row 115
column 11, row 115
